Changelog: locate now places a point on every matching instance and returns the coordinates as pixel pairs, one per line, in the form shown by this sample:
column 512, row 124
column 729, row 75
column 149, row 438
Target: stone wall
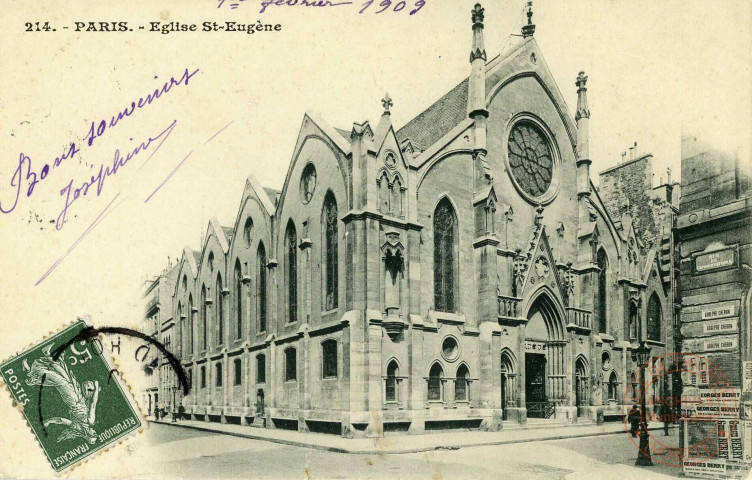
column 631, row 181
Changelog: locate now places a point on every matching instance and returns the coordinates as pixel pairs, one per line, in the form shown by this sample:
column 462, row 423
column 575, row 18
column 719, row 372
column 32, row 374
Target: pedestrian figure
column 666, row 417
column 633, row 417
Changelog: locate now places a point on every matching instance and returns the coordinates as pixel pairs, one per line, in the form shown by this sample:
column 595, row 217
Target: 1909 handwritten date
column 364, row 6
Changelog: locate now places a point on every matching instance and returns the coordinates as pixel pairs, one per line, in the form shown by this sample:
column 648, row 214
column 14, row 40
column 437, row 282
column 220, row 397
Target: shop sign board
column 714, row 344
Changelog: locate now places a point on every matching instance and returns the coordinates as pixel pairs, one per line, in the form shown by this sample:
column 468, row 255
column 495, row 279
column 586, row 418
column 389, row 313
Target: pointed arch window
column 203, row 317
column 613, row 385
column 397, row 195
column 329, row 358
column 444, row 257
column 602, row 294
column 391, row 390
column 291, row 367
column 435, row 379
column 383, row 187
column 237, row 372
column 238, row 301
column 291, row 272
column 633, row 321
column 219, row 312
column 654, row 318
column 261, row 287
column 260, row 368
column 191, row 320
column 462, row 384
column 182, row 328
column 331, row 250
column 635, row 387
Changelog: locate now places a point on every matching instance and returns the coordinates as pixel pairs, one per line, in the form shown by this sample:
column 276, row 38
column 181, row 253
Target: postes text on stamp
column 70, row 399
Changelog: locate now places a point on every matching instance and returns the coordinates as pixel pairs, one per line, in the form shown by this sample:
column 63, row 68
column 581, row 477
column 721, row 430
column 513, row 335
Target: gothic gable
column 537, row 267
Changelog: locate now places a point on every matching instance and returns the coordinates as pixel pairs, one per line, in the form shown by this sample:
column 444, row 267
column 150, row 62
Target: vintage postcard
column 376, row 239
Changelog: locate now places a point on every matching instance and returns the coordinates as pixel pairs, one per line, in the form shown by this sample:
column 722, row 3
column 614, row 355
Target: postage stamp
column 73, row 400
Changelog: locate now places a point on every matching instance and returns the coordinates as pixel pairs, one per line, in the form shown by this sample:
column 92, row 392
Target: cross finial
column 581, row 81
column 530, row 12
column 529, row 29
column 477, row 15
column 387, row 103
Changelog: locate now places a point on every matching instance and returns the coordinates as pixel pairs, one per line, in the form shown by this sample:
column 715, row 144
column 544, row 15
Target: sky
column 653, row 68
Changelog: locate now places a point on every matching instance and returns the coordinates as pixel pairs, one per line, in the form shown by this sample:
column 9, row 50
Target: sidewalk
column 403, row 443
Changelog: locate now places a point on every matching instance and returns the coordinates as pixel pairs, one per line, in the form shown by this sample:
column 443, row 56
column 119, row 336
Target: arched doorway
column 508, row 384
column 545, row 377
column 581, row 383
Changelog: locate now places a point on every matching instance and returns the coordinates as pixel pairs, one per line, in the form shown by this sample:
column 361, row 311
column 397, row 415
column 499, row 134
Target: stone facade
column 158, row 319
column 460, row 271
column 714, row 241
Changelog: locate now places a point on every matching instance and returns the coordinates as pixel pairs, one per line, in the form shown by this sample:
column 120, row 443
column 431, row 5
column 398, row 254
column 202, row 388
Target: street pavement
column 165, row 451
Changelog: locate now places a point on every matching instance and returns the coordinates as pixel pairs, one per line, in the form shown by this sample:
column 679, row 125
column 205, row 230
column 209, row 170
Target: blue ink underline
column 91, row 226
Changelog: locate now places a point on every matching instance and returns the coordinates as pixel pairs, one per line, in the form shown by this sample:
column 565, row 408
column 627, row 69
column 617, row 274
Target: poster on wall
column 713, row 446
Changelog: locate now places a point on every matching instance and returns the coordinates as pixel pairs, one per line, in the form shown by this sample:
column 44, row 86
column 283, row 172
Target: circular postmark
column 708, row 406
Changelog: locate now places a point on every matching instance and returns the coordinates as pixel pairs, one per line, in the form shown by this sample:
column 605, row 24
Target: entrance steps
column 543, row 423
column 258, row 422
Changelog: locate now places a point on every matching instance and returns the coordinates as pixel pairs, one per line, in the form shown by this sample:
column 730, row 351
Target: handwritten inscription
column 98, row 129
column 26, row 178
column 72, row 194
column 379, row 6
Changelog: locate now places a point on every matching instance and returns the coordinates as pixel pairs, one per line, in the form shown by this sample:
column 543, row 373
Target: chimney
column 582, row 117
column 668, row 175
column 623, row 157
column 631, row 153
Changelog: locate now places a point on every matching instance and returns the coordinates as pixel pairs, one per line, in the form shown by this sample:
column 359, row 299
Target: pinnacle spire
column 582, row 104
column 478, row 49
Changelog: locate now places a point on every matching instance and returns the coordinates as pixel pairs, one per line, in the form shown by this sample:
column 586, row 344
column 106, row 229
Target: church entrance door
column 545, row 359
column 535, row 386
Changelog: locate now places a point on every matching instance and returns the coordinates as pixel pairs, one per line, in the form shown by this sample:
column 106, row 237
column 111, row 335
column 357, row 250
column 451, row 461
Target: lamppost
column 175, row 408
column 642, row 356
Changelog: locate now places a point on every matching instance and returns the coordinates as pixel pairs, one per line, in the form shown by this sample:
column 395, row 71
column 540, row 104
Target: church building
column 461, row 271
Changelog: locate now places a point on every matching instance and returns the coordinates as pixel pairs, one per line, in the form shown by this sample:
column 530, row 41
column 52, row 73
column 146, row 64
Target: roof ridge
column 440, row 117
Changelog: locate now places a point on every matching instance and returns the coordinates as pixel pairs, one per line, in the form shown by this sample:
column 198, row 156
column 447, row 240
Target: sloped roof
column 438, row 119
column 197, row 256
column 228, row 232
column 345, row 133
column 272, row 194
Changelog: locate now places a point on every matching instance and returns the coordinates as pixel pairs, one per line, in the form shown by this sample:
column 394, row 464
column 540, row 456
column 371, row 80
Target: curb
column 326, row 448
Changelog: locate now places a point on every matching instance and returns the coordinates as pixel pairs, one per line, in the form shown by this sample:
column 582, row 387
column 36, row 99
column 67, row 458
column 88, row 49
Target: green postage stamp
column 71, row 400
